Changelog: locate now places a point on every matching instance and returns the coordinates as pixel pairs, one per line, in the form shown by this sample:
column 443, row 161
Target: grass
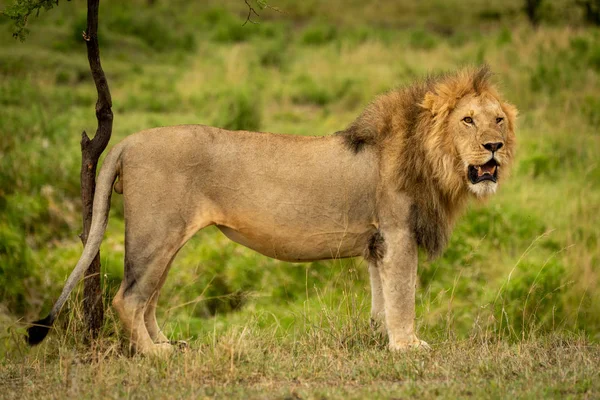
column 252, row 361
column 512, row 308
column 332, row 353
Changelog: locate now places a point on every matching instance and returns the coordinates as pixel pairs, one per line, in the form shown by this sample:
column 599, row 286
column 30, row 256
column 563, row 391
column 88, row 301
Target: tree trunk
column 91, row 149
column 532, row 8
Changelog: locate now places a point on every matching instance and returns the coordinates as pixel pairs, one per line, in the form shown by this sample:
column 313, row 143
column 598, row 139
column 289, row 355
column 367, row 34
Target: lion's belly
column 310, row 246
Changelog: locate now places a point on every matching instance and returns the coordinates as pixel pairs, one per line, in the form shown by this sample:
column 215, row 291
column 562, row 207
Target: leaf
column 20, row 11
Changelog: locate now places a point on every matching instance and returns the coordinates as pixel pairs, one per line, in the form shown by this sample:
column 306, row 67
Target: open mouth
column 485, row 172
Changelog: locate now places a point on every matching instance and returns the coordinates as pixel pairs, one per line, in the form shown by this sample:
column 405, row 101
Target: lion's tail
column 106, row 178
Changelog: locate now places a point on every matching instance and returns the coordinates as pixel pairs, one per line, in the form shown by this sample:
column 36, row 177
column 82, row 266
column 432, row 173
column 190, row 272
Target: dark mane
column 398, row 124
column 363, row 131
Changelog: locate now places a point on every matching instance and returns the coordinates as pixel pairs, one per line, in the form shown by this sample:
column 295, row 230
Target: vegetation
column 512, row 306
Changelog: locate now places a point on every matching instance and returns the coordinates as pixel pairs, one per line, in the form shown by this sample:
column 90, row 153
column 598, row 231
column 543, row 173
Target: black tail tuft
column 38, row 330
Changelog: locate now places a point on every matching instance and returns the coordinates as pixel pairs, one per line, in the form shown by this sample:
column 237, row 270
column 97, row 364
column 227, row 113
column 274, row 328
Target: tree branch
column 251, row 11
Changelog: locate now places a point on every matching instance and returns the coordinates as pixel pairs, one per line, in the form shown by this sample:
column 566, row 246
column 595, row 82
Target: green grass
column 512, row 308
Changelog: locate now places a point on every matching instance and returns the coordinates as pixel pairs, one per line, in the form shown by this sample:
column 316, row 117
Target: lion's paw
column 414, row 344
column 160, row 350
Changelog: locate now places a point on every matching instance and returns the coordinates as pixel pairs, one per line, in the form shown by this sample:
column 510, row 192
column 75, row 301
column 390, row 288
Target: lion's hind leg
column 147, row 259
column 152, row 326
column 131, row 313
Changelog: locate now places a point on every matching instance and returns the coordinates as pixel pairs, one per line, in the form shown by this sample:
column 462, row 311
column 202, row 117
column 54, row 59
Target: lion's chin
column 483, row 189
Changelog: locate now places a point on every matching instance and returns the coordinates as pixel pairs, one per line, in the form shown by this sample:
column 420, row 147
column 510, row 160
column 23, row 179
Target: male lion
column 395, row 179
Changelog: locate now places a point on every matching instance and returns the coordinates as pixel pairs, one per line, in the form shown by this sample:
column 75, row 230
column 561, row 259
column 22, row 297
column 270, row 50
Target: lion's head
column 472, row 130
column 440, row 140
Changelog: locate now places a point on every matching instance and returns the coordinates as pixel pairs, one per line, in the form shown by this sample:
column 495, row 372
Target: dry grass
column 319, row 361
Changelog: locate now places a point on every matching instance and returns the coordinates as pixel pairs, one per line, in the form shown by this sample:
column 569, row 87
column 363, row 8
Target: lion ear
column 431, row 102
column 438, row 104
column 511, row 114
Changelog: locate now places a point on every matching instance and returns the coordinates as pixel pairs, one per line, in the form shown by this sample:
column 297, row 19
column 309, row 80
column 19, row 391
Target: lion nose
column 493, row 147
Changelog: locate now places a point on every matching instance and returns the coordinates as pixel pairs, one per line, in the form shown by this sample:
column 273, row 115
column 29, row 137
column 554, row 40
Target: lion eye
column 468, row 120
column 499, row 120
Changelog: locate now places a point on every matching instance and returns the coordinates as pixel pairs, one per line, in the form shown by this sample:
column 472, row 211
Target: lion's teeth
column 479, row 171
column 493, row 170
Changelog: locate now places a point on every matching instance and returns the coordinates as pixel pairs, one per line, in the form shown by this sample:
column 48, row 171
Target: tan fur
column 393, row 181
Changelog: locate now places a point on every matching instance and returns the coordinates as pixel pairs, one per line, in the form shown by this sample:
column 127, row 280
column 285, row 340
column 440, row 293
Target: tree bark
column 91, row 149
column 532, row 10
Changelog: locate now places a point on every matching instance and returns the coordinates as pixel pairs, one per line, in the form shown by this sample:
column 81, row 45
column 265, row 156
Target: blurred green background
column 525, row 263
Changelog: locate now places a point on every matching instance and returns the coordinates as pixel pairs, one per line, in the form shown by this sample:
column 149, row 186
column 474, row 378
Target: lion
column 395, row 180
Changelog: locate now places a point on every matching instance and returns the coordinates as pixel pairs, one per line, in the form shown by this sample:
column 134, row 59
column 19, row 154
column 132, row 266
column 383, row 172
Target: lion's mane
column 408, row 127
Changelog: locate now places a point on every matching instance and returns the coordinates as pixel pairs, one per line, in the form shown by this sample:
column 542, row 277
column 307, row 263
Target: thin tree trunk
column 91, row 149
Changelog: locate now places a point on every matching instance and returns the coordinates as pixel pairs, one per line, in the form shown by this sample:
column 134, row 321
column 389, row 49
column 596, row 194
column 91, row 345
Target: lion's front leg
column 398, row 274
column 377, row 304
